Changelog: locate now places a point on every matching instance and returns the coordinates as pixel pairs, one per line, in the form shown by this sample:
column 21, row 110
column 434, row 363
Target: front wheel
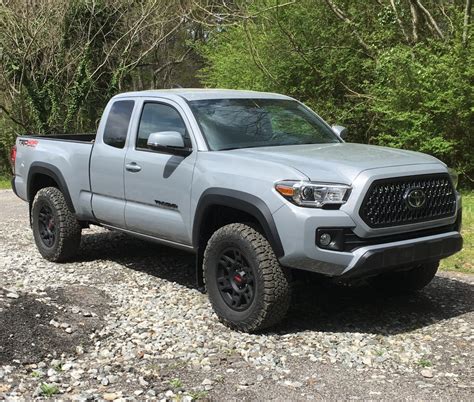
column 248, row 288
column 411, row 280
column 56, row 230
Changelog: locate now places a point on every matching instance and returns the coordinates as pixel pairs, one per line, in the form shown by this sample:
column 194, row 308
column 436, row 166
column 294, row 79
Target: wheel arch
column 248, row 204
column 41, row 175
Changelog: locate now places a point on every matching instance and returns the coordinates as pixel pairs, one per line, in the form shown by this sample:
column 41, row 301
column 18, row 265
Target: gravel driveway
column 126, row 321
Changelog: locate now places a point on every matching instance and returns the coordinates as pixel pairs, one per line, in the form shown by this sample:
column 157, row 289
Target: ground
column 125, row 320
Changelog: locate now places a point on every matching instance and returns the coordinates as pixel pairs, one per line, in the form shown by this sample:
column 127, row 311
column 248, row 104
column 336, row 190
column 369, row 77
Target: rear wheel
column 248, row 288
column 56, row 230
column 406, row 281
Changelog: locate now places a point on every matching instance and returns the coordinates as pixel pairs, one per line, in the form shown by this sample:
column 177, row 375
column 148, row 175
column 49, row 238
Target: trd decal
column 29, row 143
column 164, row 204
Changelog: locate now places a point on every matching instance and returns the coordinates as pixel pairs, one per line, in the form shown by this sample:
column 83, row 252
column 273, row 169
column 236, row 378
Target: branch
column 172, row 62
column 297, row 48
column 400, row 23
column 137, row 61
column 467, row 21
column 225, row 15
column 415, row 19
column 343, row 17
column 355, row 94
column 13, row 119
column 430, row 19
column 450, row 21
column 255, row 56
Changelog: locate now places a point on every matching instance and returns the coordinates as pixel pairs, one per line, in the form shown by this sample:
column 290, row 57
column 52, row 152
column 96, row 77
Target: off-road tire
column 406, row 281
column 272, row 281
column 67, row 229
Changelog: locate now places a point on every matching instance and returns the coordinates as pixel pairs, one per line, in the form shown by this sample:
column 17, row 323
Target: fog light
column 330, row 238
column 325, row 239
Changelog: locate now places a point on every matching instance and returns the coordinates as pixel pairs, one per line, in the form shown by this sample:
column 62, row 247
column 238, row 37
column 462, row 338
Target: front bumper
column 364, row 256
column 373, row 260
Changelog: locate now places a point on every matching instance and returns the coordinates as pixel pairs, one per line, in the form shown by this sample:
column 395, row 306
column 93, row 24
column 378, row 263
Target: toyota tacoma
column 256, row 184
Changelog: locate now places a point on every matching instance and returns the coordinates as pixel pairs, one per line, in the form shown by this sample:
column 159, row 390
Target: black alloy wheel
column 47, row 226
column 56, row 230
column 235, row 279
column 248, row 288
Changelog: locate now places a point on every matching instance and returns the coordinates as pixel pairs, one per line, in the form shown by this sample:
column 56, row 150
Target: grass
column 424, row 363
column 176, row 383
column 4, row 182
column 197, row 395
column 58, row 367
column 48, row 390
column 464, row 260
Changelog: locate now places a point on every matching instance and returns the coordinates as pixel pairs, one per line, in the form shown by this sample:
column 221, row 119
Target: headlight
column 314, row 195
column 454, row 177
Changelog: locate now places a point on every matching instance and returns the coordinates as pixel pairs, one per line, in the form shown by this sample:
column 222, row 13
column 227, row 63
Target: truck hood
column 341, row 162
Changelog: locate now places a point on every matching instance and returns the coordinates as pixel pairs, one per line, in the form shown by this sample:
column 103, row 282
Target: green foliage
column 48, row 390
column 4, row 183
column 7, row 140
column 367, row 65
column 388, row 87
column 176, row 383
column 63, row 60
column 198, row 395
column 464, row 260
column 424, row 363
column 423, row 102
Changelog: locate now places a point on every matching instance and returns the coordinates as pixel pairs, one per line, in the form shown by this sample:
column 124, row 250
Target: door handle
column 133, row 167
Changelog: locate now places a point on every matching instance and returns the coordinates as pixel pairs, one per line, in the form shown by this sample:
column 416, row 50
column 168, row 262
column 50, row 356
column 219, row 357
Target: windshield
column 245, row 123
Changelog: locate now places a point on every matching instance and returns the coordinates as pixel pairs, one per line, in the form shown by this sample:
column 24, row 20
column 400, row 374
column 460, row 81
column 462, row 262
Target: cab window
column 157, row 117
column 118, row 120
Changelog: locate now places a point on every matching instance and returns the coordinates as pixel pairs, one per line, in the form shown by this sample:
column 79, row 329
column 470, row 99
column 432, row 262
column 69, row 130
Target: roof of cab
column 191, row 94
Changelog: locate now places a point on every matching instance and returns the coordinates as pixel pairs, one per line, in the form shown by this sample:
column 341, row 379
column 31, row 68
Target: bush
column 386, row 85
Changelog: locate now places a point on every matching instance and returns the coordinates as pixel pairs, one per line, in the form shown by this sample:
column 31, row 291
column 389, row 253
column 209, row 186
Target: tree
column 62, row 60
column 397, row 72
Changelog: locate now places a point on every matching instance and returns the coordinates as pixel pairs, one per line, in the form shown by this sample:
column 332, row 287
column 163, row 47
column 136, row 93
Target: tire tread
column 69, row 229
column 276, row 287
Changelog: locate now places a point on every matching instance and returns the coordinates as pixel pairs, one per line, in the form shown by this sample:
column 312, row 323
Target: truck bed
column 67, row 155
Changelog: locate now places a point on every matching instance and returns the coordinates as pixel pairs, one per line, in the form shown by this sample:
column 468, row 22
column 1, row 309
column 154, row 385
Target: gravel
column 125, row 321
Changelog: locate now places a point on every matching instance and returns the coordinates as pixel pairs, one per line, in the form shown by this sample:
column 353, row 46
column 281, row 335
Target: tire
column 406, row 281
column 264, row 285
column 56, row 230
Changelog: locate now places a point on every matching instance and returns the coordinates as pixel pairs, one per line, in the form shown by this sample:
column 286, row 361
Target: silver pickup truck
column 255, row 184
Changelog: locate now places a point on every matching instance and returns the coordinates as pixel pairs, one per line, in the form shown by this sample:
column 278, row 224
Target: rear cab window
column 118, row 120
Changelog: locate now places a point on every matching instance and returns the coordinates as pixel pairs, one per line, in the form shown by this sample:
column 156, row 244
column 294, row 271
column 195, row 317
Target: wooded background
column 395, row 72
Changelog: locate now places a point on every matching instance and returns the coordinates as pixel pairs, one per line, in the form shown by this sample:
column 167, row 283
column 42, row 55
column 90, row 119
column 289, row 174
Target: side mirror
column 340, row 131
column 170, row 142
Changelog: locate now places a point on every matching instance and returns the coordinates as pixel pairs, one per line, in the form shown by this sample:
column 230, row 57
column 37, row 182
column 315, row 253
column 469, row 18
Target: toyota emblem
column 415, row 198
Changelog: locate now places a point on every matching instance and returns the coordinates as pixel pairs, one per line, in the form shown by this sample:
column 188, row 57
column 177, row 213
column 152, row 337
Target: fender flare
column 244, row 202
column 53, row 172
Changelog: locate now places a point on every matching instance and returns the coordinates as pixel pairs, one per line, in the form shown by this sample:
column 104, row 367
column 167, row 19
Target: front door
column 158, row 185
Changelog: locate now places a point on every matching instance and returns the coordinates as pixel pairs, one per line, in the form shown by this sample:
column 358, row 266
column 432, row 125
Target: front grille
column 405, row 200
